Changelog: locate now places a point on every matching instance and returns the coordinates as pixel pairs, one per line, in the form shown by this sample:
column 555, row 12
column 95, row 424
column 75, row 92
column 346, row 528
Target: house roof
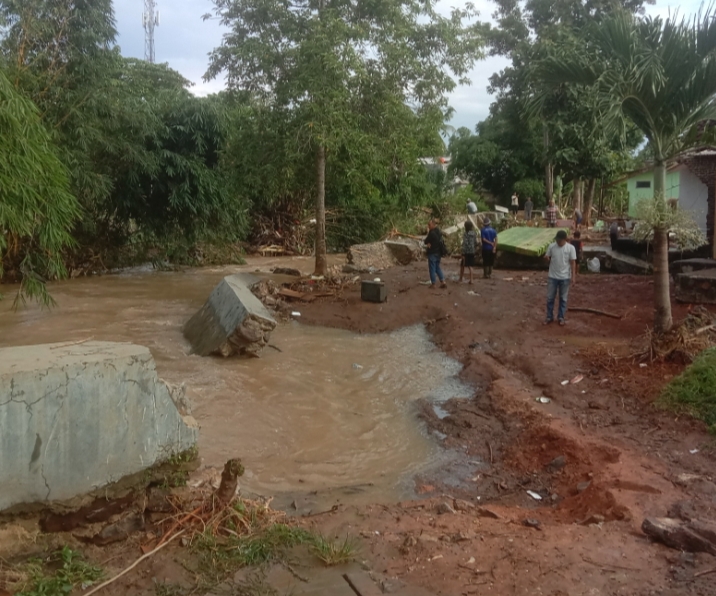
column 676, row 162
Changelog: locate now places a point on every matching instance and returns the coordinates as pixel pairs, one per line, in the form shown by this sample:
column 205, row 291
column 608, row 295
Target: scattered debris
column 577, row 379
column 532, row 523
column 595, row 311
column 445, row 507
column 543, row 400
column 534, row 495
column 693, row 536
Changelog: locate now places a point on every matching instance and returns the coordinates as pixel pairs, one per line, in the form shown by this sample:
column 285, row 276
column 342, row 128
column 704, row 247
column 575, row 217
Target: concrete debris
column 445, row 507
column 233, row 320
column 75, row 418
column 377, row 256
column 557, row 463
column 697, row 287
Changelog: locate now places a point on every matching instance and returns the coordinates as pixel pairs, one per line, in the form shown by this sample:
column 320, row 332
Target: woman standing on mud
column 434, row 244
column 469, row 247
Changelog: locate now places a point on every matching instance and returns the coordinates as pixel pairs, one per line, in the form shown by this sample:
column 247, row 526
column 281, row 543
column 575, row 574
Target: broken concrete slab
column 697, row 287
column 373, row 256
column 233, row 320
column 691, row 265
column 404, row 251
column 617, row 262
column 78, row 417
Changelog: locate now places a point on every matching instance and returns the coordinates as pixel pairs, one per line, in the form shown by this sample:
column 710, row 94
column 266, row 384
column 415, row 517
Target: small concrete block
column 697, row 287
column 77, row 417
column 233, row 320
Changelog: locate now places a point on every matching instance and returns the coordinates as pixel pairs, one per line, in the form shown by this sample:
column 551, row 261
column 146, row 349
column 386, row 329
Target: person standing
column 529, row 205
column 614, row 234
column 576, row 241
column 489, row 247
column 562, row 272
column 577, row 218
column 469, row 247
column 552, row 214
column 515, row 207
column 434, row 244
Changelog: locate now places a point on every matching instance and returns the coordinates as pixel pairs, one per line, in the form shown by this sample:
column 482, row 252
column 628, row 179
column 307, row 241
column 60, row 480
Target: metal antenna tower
column 150, row 20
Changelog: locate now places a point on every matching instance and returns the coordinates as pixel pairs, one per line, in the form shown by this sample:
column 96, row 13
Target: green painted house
column 682, row 185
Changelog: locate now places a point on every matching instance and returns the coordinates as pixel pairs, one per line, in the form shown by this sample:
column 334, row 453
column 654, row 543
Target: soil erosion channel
column 331, row 412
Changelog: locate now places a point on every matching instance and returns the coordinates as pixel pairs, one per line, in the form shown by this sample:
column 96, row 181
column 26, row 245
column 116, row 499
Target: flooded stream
column 333, row 409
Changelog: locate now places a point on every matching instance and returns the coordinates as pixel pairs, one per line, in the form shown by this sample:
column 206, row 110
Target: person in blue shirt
column 489, row 247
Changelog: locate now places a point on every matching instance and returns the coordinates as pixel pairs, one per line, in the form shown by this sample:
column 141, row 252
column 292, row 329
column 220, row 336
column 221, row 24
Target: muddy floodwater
column 331, row 410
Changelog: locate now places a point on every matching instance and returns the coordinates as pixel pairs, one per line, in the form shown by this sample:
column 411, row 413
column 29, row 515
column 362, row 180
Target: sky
column 184, row 41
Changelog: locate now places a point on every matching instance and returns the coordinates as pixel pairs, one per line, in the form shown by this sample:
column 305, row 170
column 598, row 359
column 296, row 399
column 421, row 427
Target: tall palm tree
column 661, row 75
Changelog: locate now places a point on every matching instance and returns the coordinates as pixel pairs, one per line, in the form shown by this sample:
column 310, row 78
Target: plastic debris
column 577, row 379
column 357, row 366
column 543, row 400
column 295, row 314
column 693, row 451
column 534, row 495
column 565, row 382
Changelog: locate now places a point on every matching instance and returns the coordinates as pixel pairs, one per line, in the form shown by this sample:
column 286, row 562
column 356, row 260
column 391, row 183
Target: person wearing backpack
column 435, row 251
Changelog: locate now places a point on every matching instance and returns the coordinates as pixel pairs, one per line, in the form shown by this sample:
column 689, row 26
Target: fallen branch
column 133, row 565
column 594, row 311
column 705, row 329
column 490, row 448
column 707, row 572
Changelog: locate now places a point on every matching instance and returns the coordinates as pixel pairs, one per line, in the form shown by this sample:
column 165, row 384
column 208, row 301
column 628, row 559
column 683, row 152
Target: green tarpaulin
column 527, row 241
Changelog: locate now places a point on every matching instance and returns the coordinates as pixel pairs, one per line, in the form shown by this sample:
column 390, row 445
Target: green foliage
column 694, row 391
column 534, row 188
column 36, row 207
column 656, row 213
column 334, row 552
column 62, row 572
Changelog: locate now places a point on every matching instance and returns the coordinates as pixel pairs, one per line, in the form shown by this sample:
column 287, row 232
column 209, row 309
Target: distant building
column 441, row 164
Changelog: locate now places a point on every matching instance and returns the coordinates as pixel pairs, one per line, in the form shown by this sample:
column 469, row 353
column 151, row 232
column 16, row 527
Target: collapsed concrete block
column 77, row 417
column 404, row 251
column 233, row 320
column 697, row 287
column 375, row 256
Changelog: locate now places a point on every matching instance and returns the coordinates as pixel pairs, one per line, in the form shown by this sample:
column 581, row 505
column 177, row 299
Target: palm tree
column 660, row 75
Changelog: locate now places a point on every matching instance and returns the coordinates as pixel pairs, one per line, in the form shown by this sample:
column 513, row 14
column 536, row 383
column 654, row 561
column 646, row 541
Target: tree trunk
column 589, row 202
column 320, row 249
column 662, row 298
column 577, row 194
column 548, row 168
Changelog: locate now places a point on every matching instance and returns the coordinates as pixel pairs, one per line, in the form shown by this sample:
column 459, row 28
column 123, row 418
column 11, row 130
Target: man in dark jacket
column 434, row 243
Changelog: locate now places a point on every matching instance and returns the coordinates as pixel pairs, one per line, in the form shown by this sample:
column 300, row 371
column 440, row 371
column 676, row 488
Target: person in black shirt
column 433, row 243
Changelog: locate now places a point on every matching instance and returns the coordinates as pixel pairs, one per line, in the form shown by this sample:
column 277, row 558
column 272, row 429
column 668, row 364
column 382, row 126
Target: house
column 690, row 182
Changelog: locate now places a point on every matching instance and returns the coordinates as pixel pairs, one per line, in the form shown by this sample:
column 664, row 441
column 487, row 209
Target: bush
column 694, row 391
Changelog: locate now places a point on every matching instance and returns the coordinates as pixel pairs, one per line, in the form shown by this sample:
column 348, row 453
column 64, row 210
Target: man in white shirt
column 471, row 207
column 562, row 259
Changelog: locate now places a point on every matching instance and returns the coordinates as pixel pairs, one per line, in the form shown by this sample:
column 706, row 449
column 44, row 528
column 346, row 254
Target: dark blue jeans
column 434, row 268
column 554, row 285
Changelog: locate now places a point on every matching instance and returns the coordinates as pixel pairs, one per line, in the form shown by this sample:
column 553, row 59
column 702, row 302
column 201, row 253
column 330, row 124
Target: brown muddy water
column 333, row 410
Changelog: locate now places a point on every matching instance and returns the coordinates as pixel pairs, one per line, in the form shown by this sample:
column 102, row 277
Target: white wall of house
column 693, row 196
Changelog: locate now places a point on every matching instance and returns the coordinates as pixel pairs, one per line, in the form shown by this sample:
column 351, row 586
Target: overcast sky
column 183, row 40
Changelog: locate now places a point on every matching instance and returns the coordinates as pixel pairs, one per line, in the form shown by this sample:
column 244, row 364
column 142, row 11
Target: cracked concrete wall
column 75, row 418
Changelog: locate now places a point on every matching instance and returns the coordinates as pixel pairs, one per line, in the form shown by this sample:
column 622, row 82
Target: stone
column 119, row 530
column 693, row 537
column 683, row 510
column 557, row 463
column 445, row 507
column 75, row 418
column 594, row 519
column 233, row 320
column 532, row 523
column 697, row 287
column 582, row 486
column 158, row 500
column 485, row 512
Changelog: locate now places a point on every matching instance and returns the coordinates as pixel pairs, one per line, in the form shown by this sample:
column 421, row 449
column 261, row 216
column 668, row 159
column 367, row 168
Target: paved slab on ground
column 526, row 241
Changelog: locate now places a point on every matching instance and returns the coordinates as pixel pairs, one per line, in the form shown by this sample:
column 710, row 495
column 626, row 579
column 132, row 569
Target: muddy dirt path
column 598, row 456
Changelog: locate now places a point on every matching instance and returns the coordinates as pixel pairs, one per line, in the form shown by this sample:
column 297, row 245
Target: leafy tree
column 36, row 207
column 336, row 77
column 660, row 75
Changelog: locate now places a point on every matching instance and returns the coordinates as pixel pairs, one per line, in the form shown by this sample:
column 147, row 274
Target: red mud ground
column 624, row 458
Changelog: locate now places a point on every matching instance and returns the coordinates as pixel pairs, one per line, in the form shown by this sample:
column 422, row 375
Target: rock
column 532, row 523
column 485, row 512
column 120, row 530
column 692, row 537
column 233, row 320
column 75, row 418
column 445, row 507
column 582, row 486
column 557, row 463
column 593, row 520
column 157, row 500
column 683, row 510
column 461, row 505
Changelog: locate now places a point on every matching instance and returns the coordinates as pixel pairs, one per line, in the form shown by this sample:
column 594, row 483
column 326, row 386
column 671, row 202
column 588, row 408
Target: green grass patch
column 334, row 552
column 60, row 573
column 694, row 391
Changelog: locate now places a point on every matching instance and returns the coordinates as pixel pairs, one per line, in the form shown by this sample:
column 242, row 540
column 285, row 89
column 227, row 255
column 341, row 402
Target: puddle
column 332, row 410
